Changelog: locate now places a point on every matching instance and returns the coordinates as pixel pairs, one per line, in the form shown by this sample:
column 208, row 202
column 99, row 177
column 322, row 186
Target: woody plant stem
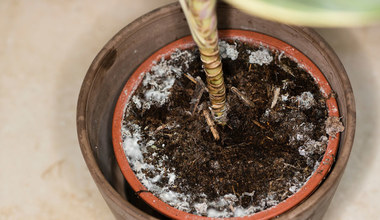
column 201, row 17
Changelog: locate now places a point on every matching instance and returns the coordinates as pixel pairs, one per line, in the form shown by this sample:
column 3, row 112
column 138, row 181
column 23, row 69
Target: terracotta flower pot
column 114, row 67
column 252, row 38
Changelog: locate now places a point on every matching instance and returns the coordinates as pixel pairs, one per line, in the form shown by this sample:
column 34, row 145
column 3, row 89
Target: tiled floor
column 45, row 50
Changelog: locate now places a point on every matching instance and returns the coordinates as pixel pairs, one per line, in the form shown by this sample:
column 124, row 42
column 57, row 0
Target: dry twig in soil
column 192, row 79
column 275, row 97
column 242, row 97
column 211, row 124
column 258, row 124
column 199, row 89
column 286, row 69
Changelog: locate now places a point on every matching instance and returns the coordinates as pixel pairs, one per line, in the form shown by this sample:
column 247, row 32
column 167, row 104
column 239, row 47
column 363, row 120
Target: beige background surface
column 45, row 50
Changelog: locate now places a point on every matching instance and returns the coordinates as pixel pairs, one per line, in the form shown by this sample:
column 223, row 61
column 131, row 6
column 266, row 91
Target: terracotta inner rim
column 249, row 37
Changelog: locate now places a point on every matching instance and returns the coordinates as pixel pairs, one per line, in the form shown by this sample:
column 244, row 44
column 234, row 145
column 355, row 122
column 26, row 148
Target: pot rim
column 252, row 38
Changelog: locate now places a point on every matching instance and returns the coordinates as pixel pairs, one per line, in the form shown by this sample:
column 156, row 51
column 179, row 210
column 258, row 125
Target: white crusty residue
column 201, row 208
column 311, row 147
column 134, row 149
column 333, row 126
column 130, row 144
column 260, row 57
column 305, row 100
column 227, row 50
column 160, row 79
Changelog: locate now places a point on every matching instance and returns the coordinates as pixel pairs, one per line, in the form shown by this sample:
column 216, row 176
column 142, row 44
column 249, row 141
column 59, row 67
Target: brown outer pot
column 119, row 58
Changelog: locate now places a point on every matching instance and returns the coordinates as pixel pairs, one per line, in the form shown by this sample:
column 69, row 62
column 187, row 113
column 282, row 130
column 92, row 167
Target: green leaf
column 322, row 13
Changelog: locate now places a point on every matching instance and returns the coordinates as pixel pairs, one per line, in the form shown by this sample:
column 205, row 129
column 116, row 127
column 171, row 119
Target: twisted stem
column 201, row 17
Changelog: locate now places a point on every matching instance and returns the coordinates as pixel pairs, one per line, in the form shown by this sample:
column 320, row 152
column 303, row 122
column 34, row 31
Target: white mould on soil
column 157, row 83
column 333, row 126
column 160, row 80
column 305, row 100
column 260, row 57
column 134, row 150
column 311, row 146
column 227, row 50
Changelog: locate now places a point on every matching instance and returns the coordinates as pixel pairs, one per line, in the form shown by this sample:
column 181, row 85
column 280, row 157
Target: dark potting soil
column 265, row 153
